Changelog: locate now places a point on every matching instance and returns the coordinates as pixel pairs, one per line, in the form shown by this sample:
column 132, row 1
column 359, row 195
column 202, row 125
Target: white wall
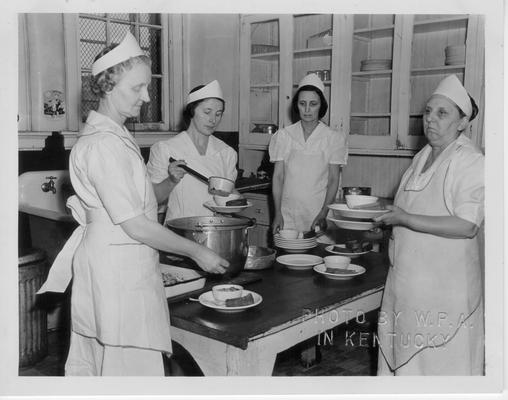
column 211, row 47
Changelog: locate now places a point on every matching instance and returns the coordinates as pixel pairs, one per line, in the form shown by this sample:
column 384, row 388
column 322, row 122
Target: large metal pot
column 227, row 236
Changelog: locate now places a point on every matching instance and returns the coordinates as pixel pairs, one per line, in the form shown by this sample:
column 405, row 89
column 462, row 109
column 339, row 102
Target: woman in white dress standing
column 119, row 312
column 197, row 148
column 307, row 156
column 431, row 320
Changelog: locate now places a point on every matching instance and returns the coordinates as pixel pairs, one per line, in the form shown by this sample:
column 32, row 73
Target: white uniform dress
column 305, row 170
column 431, row 320
column 188, row 196
column 119, row 312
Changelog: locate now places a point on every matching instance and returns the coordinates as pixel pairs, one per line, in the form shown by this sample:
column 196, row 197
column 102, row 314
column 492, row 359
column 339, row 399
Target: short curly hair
column 308, row 88
column 106, row 80
column 188, row 111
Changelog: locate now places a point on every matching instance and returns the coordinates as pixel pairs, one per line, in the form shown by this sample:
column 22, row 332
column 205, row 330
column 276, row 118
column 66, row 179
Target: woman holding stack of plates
column 431, row 320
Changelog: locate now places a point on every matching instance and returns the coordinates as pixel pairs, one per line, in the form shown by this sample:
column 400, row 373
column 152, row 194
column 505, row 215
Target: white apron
column 304, row 190
column 431, row 319
column 117, row 291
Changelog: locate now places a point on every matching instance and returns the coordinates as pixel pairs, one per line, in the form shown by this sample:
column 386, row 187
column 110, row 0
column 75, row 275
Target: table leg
column 220, row 359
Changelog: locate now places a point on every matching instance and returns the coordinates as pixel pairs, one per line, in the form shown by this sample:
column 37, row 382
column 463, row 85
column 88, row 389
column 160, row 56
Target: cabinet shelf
column 261, row 86
column 314, row 52
column 370, row 115
column 326, row 83
column 438, row 70
column 374, row 33
column 266, row 56
column 438, row 24
column 384, row 73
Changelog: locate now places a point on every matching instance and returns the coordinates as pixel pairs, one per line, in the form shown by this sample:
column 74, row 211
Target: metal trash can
column 33, row 322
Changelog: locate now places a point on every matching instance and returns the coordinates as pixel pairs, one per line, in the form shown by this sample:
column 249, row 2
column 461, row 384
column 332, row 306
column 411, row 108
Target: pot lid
column 209, row 223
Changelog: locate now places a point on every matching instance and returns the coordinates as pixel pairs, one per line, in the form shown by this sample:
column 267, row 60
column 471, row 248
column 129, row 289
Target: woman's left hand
column 319, row 221
column 396, row 216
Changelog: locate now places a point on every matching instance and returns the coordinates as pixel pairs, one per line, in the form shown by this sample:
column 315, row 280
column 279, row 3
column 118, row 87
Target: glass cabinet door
column 260, row 79
column 438, row 49
column 373, row 103
column 312, row 51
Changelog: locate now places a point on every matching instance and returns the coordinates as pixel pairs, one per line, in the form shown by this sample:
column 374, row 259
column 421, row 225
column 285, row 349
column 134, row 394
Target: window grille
column 99, row 30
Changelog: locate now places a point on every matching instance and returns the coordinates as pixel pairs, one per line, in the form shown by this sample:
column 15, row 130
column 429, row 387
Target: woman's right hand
column 278, row 223
column 175, row 172
column 210, row 261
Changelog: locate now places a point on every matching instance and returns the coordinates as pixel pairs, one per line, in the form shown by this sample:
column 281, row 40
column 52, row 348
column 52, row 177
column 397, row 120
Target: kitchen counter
column 296, row 306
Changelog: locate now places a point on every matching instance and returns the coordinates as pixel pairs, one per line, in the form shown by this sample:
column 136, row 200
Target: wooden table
column 297, row 305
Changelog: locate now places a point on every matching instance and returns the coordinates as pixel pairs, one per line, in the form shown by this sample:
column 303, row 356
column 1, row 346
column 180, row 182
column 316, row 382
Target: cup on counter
column 341, row 262
column 288, row 233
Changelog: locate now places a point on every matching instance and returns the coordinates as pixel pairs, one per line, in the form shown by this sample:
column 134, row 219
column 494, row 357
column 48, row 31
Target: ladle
column 205, row 180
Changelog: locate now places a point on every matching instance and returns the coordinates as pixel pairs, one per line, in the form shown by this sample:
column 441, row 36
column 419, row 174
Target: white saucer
column 209, row 301
column 352, row 271
column 299, row 261
column 225, row 209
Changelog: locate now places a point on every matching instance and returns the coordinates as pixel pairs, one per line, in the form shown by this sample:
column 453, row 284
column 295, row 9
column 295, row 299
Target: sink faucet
column 49, row 186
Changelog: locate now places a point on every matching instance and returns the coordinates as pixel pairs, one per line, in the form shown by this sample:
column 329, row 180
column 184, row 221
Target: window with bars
column 99, row 30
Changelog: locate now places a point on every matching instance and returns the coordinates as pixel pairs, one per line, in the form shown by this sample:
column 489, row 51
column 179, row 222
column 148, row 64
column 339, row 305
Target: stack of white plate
column 375, row 64
column 294, row 245
column 455, row 55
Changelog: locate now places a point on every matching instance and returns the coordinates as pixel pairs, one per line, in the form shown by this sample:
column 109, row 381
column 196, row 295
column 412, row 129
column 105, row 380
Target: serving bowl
column 222, row 293
column 358, row 200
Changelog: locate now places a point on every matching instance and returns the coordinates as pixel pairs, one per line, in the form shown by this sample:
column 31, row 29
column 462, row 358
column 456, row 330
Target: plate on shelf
column 352, row 271
column 299, row 261
column 210, row 204
column 342, row 210
column 352, row 224
column 337, row 249
column 206, row 299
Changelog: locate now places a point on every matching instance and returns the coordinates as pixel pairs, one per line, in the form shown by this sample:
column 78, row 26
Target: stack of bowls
column 455, row 55
column 292, row 242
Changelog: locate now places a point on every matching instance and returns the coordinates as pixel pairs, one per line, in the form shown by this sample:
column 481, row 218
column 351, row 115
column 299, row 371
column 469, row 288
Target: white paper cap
column 451, row 88
column 127, row 48
column 312, row 80
column 212, row 89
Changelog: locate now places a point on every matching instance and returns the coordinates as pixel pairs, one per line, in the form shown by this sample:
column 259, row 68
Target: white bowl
column 217, row 184
column 222, row 200
column 225, row 292
column 360, row 200
column 337, row 262
column 289, row 233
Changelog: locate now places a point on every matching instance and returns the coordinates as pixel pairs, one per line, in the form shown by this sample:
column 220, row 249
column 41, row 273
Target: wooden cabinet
column 260, row 234
column 378, row 72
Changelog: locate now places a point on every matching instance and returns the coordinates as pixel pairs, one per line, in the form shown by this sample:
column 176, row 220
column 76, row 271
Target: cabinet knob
column 258, row 211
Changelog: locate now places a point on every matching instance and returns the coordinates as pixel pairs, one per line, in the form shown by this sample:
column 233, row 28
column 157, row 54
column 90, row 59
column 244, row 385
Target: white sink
column 50, row 204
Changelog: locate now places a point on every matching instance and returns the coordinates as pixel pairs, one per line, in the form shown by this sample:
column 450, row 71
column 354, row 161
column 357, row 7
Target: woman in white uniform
column 197, row 148
column 431, row 320
column 119, row 313
column 307, row 157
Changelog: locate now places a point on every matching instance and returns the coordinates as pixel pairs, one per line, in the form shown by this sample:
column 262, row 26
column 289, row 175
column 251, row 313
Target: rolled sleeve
column 111, row 172
column 158, row 163
column 279, row 146
column 465, row 187
column 231, row 159
column 337, row 150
